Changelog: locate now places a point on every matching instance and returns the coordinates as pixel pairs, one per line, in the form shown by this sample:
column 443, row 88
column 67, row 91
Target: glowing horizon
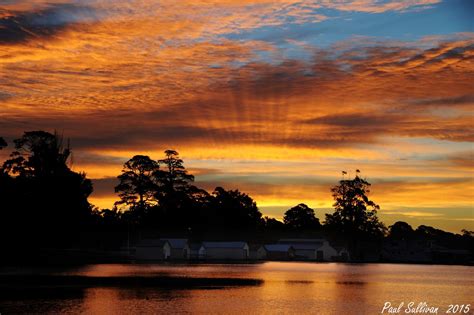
column 274, row 98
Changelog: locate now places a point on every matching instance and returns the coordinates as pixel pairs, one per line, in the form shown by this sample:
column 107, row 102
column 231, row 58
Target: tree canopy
column 355, row 215
column 172, row 175
column 138, row 186
column 46, row 197
column 174, row 184
column 3, row 143
column 234, row 209
column 401, row 230
column 38, row 153
column 301, row 217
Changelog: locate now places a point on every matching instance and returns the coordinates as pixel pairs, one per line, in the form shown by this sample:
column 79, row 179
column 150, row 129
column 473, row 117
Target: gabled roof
column 236, row 245
column 152, row 242
column 176, row 242
column 277, row 247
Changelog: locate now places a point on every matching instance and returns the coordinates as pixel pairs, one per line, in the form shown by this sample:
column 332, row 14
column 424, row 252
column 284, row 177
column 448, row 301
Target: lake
column 285, row 288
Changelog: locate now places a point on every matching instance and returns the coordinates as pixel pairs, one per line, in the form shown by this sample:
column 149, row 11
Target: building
column 278, row 252
column 179, row 248
column 257, row 252
column 152, row 250
column 193, row 251
column 224, row 250
column 312, row 249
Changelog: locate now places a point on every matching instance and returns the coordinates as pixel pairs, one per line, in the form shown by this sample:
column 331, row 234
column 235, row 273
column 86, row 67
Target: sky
column 274, row 98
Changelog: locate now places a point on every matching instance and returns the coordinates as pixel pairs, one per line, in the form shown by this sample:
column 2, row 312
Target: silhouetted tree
column 273, row 229
column 138, row 188
column 273, row 224
column 110, row 217
column 173, row 176
column 173, row 180
column 231, row 208
column 444, row 239
column 38, row 154
column 301, row 217
column 468, row 240
column 197, row 203
column 429, row 232
column 401, row 231
column 354, row 212
column 4, row 176
column 467, row 233
column 3, row 143
column 49, row 201
column 176, row 194
column 355, row 215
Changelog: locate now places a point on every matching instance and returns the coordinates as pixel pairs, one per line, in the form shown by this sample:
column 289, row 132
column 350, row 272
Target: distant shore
column 78, row 263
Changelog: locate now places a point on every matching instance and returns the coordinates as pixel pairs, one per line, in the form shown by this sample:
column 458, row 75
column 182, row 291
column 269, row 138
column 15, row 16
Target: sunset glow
column 274, row 98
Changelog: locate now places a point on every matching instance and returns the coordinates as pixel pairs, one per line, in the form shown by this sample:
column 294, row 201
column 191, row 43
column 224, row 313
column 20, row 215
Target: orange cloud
column 154, row 75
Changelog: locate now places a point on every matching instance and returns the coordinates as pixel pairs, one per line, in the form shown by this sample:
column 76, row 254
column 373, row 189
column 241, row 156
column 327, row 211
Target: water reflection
column 299, row 282
column 286, row 288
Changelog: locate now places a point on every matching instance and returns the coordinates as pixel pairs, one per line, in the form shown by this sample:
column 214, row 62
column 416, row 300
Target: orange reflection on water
column 288, row 288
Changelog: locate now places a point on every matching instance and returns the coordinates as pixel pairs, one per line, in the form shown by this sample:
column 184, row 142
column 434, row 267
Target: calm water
column 288, row 288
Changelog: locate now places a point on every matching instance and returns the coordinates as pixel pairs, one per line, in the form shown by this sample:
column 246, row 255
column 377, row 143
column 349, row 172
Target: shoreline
column 76, row 263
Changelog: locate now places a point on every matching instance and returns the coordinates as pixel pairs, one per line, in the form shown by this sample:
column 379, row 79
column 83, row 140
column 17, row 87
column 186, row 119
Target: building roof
column 176, row 242
column 277, row 247
column 236, row 245
column 314, row 246
column 152, row 242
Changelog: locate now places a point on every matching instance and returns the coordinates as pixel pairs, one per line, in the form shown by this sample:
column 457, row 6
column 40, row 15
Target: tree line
column 45, row 204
